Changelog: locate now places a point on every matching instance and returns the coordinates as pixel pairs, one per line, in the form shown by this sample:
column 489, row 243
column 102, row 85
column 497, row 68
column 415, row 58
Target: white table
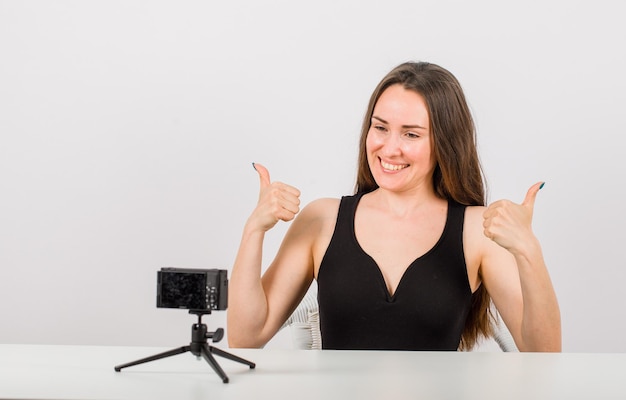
column 86, row 372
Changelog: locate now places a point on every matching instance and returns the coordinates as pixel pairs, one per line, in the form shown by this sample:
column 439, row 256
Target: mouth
column 392, row 167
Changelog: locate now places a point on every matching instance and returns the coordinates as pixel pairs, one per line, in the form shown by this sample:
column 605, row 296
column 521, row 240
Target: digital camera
column 192, row 289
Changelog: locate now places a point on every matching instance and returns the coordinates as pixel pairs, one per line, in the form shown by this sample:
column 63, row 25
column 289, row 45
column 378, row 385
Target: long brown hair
column 458, row 174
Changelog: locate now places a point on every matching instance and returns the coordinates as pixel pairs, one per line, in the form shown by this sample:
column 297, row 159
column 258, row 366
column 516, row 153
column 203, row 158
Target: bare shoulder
column 474, row 217
column 320, row 217
column 322, row 208
column 475, row 211
column 314, row 219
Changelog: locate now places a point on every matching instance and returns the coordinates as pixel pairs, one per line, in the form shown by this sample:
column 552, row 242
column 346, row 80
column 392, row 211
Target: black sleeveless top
column 428, row 309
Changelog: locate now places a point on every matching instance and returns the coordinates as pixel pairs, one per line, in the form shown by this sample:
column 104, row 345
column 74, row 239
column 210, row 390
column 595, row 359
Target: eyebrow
column 403, row 126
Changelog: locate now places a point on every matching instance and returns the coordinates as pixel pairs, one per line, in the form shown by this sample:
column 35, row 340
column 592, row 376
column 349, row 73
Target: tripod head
column 199, row 332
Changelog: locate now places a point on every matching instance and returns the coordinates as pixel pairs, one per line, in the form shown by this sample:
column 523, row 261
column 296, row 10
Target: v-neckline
column 392, row 297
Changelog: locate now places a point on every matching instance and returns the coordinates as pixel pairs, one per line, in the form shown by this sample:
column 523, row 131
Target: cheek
column 371, row 143
column 423, row 151
column 370, row 147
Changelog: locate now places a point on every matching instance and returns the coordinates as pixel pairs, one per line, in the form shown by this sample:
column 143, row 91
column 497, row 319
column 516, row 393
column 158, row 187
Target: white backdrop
column 128, row 128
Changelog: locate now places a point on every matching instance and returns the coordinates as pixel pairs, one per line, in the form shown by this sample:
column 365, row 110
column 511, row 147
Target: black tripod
column 198, row 347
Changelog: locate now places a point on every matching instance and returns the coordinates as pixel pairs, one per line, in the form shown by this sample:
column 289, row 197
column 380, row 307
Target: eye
column 412, row 135
column 379, row 128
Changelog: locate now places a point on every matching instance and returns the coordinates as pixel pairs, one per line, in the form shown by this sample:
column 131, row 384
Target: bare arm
column 258, row 307
column 516, row 276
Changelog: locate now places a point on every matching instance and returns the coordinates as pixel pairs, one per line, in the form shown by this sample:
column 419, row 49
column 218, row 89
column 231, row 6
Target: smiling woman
column 412, row 260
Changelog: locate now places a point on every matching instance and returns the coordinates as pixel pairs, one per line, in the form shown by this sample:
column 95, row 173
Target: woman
column 413, row 260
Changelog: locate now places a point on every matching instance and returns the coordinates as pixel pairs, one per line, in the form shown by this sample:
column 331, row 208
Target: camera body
column 192, row 289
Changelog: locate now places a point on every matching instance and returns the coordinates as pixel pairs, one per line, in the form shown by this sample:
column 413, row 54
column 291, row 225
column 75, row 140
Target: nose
column 392, row 145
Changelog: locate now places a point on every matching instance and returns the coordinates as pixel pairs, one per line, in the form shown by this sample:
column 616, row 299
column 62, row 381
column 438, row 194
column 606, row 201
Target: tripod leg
column 206, row 353
column 168, row 353
column 231, row 357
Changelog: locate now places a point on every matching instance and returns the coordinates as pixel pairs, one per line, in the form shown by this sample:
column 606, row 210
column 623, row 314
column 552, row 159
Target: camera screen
column 183, row 290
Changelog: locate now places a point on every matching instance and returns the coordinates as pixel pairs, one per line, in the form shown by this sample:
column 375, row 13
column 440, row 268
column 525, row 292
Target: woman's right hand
column 277, row 202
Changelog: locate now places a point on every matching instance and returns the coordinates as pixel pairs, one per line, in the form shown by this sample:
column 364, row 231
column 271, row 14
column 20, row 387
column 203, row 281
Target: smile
column 393, row 167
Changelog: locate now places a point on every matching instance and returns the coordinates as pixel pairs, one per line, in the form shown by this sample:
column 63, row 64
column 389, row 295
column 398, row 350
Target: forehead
column 402, row 105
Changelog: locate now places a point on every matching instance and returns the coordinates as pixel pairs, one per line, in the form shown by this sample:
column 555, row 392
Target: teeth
column 392, row 167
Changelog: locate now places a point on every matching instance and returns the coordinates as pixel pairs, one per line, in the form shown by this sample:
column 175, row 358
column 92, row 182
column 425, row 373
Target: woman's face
column 399, row 143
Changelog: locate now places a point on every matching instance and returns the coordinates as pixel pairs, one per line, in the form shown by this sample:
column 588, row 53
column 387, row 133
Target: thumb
column 264, row 174
column 531, row 195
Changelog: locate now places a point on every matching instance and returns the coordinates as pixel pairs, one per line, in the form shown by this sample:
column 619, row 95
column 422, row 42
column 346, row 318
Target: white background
column 128, row 128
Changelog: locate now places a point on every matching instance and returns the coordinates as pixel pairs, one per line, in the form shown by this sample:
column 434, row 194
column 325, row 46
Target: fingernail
column 254, row 166
column 541, row 187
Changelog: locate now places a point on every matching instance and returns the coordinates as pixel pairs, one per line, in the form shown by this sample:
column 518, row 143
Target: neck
column 405, row 204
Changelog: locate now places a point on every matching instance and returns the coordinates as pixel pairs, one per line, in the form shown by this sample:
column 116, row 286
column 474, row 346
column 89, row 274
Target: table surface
column 87, row 372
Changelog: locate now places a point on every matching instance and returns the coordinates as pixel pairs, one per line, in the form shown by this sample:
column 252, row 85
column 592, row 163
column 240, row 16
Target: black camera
column 192, row 289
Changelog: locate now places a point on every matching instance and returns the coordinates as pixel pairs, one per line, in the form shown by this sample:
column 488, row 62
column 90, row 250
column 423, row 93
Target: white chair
column 503, row 337
column 304, row 324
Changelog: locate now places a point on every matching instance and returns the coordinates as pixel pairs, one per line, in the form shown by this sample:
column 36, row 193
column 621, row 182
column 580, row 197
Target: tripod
column 198, row 347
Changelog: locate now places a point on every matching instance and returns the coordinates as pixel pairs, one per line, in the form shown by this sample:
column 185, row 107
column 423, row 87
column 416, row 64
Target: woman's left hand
column 510, row 224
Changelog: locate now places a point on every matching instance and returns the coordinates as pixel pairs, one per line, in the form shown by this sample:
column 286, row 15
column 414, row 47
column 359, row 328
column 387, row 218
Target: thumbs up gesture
column 509, row 224
column 277, row 201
